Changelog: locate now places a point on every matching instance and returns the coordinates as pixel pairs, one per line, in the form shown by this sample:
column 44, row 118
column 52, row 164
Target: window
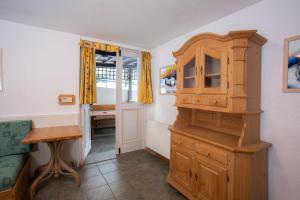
column 129, row 78
column 106, row 73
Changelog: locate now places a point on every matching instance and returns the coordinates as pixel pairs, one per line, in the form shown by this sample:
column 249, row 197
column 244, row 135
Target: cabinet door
column 213, row 71
column 181, row 167
column 187, row 73
column 211, row 182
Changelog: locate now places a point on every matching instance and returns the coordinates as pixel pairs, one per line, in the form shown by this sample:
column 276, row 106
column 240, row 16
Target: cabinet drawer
column 213, row 153
column 183, row 141
column 219, row 101
column 184, row 98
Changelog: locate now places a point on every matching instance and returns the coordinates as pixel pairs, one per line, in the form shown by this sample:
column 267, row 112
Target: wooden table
column 54, row 137
column 103, row 113
column 99, row 117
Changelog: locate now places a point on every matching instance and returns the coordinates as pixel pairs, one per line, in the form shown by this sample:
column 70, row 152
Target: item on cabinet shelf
column 66, row 99
column 216, row 151
column 291, row 73
column 167, row 79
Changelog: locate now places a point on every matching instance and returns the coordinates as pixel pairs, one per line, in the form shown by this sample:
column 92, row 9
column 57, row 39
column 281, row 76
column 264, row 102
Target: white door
column 85, row 122
column 129, row 121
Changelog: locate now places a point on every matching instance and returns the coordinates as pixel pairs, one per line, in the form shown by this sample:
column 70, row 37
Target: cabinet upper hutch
column 220, row 73
column 216, row 151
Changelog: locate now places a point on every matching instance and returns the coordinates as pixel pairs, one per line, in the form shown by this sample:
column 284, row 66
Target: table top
column 103, row 113
column 52, row 134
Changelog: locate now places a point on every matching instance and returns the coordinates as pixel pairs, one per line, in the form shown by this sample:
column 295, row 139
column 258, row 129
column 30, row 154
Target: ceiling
column 141, row 23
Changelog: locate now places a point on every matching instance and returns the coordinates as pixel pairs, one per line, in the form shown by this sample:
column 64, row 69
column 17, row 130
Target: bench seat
column 10, row 167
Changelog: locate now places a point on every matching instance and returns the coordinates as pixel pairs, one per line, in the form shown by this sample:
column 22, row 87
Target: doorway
column 114, row 123
column 103, row 113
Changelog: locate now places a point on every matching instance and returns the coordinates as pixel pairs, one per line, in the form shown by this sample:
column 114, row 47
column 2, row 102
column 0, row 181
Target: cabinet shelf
column 189, row 77
column 215, row 75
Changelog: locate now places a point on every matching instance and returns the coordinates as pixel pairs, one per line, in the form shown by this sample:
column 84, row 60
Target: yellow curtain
column 145, row 86
column 88, row 87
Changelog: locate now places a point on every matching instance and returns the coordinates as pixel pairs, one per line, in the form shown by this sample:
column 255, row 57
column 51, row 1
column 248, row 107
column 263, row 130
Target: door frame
column 120, row 106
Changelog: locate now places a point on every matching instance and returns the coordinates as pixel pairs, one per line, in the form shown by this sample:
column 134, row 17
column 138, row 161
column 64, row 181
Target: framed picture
column 66, row 99
column 291, row 72
column 167, row 79
column 1, row 71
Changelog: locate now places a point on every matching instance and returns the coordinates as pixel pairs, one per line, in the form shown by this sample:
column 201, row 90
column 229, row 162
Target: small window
column 106, row 72
column 129, row 78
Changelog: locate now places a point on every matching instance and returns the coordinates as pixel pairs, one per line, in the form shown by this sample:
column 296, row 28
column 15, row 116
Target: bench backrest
column 11, row 136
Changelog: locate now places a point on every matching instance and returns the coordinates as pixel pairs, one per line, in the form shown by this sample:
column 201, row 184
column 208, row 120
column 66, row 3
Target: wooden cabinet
column 216, row 151
column 187, row 71
column 224, row 67
column 181, row 170
column 211, row 182
column 213, row 71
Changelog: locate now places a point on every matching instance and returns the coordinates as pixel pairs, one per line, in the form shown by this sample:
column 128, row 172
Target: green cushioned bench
column 14, row 167
column 10, row 166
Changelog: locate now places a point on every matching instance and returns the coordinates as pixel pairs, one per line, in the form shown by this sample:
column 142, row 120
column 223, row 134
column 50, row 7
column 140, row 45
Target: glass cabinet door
column 189, row 74
column 213, row 71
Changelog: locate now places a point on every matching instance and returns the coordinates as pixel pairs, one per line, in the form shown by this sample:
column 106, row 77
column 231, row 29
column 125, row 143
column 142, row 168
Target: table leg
column 55, row 167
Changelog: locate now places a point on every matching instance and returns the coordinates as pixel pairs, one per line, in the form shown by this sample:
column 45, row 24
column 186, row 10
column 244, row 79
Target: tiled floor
column 137, row 175
column 103, row 145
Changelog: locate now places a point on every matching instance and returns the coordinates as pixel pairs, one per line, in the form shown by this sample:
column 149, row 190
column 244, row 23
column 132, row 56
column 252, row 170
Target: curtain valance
column 99, row 46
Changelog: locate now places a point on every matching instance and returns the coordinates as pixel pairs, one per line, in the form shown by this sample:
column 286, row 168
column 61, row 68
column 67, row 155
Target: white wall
column 276, row 20
column 106, row 96
column 38, row 65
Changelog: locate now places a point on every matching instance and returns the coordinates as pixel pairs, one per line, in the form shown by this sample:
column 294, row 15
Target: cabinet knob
column 215, row 101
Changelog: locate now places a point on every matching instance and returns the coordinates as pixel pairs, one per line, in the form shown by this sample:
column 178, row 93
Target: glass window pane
column 212, row 72
column 189, row 74
column 129, row 79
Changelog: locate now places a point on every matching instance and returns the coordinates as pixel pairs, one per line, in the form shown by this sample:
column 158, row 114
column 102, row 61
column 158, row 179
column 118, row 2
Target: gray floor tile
column 108, row 167
column 93, row 182
column 131, row 176
column 121, row 187
column 101, row 193
column 115, row 176
column 89, row 172
column 103, row 145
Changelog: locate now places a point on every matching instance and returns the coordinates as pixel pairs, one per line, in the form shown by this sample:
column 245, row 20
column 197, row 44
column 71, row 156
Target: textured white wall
column 38, row 65
column 276, row 20
column 106, row 96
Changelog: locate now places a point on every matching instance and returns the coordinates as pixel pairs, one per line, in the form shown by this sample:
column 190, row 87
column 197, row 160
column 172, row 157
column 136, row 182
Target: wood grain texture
column 216, row 151
column 247, row 34
column 239, row 54
column 51, row 134
column 103, row 107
